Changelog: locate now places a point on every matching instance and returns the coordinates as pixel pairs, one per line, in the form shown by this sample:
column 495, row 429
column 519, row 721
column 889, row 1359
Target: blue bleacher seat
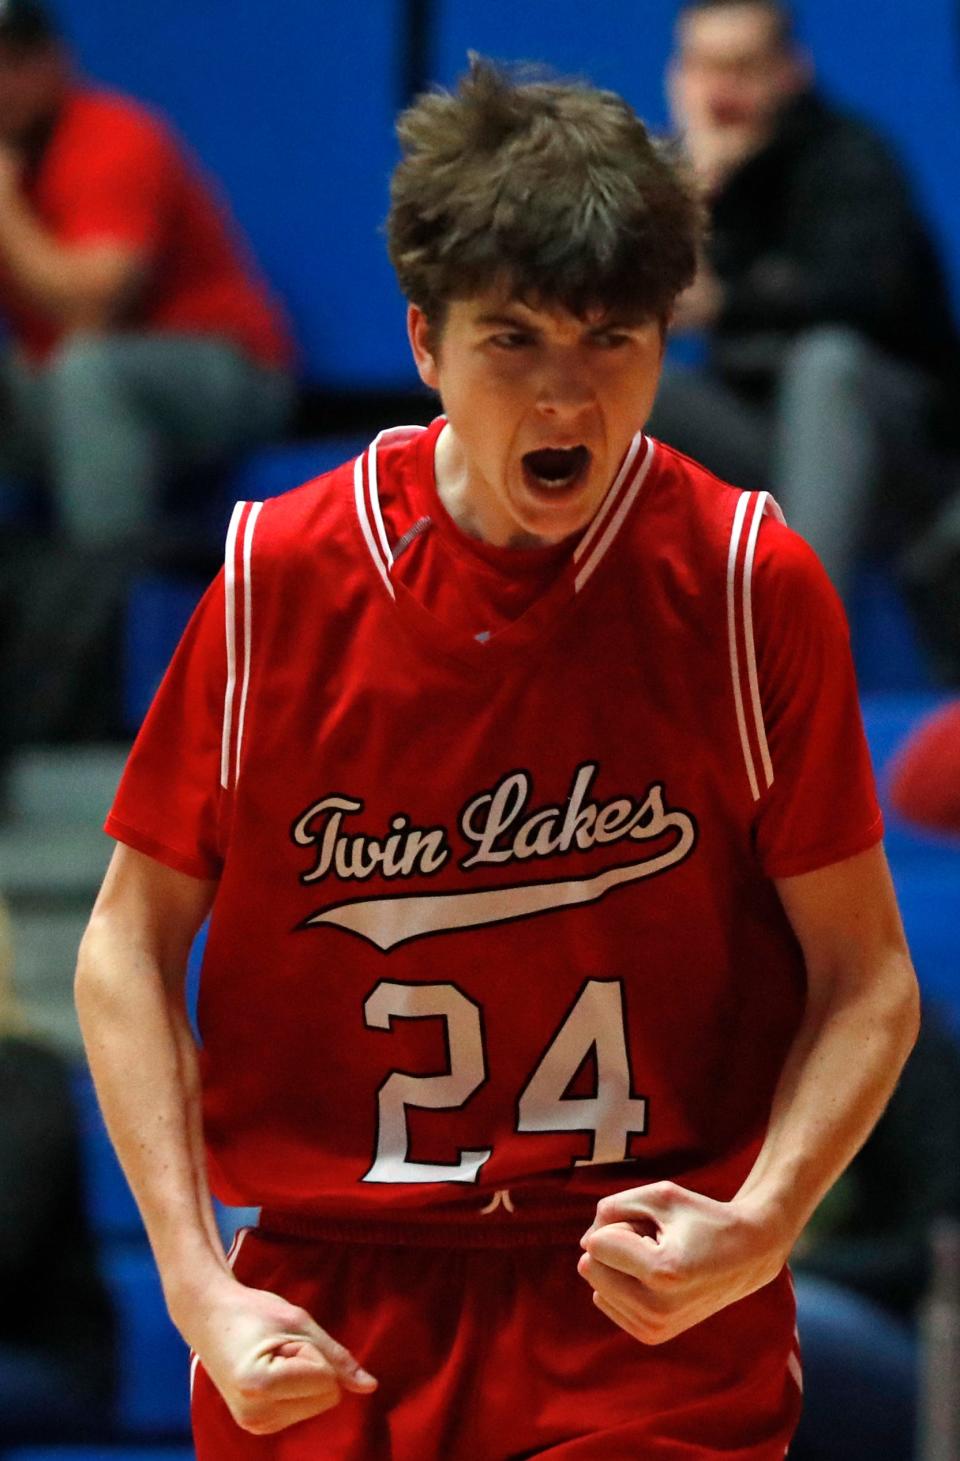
column 152, row 1398
column 159, row 604
column 158, row 608
column 153, row 1395
column 111, row 1210
column 275, row 469
column 887, row 648
column 100, row 1453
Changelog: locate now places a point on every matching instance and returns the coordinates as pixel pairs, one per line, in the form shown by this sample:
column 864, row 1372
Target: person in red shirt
column 143, row 341
column 554, row 970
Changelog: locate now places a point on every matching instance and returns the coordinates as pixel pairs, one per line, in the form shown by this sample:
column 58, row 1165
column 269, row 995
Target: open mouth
column 556, row 469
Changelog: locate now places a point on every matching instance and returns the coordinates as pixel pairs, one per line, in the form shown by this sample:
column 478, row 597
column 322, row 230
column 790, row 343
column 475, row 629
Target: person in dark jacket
column 821, row 296
column 57, row 1363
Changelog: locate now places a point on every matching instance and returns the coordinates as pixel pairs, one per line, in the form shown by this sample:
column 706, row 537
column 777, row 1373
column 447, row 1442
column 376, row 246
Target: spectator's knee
column 87, row 364
column 830, row 356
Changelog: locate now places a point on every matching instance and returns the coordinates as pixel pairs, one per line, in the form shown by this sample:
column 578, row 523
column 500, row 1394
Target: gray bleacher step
column 64, row 784
column 45, row 948
column 50, row 861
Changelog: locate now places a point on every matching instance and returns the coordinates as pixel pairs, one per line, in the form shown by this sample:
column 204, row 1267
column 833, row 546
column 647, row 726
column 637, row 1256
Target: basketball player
column 554, row 971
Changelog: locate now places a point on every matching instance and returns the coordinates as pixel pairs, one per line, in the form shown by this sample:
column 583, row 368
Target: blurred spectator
column 143, row 342
column 824, row 306
column 56, row 1331
column 143, row 348
column 864, row 1267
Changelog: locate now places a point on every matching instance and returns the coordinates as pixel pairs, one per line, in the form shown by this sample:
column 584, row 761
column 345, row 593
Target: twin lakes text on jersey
column 498, row 828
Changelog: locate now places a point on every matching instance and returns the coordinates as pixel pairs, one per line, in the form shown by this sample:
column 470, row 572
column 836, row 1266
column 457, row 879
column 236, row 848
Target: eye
column 511, row 339
column 610, row 339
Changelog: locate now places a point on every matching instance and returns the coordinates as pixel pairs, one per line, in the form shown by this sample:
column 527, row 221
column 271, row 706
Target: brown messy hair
column 552, row 189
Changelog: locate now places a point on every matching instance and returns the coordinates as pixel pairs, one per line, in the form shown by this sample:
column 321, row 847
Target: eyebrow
column 504, row 319
column 517, row 321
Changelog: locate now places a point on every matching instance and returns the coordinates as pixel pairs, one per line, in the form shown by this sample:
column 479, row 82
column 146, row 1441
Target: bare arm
column 271, row 1362
column 693, row 1256
column 860, row 1025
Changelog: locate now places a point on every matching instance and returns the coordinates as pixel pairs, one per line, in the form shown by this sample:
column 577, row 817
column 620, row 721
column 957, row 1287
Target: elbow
column 904, row 1007
column 95, row 985
column 86, row 978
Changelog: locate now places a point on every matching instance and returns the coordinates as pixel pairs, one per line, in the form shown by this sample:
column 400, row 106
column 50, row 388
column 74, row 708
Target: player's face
column 542, row 407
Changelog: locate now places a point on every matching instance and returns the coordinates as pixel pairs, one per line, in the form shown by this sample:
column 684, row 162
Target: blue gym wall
column 291, row 105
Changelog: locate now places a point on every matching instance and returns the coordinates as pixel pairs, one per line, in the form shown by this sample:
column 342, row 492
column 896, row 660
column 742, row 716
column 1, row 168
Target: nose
column 564, row 390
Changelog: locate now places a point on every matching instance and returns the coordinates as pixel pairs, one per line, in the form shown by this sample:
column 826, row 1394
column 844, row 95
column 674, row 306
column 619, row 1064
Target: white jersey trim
column 251, row 524
column 367, row 498
column 375, row 499
column 229, row 572
column 611, row 497
column 605, row 525
column 756, row 706
column 629, row 488
column 744, row 677
column 237, row 654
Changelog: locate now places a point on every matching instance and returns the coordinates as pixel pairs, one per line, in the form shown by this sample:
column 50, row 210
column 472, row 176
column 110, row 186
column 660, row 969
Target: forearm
column 144, row 1066
column 78, row 287
column 839, row 1074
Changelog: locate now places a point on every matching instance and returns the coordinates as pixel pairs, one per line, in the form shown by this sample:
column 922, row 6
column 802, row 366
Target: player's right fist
column 273, row 1365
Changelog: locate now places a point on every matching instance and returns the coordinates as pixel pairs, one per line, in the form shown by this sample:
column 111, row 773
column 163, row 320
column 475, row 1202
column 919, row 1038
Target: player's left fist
column 661, row 1259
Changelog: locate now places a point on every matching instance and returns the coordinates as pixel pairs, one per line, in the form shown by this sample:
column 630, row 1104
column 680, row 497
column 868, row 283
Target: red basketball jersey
column 496, row 835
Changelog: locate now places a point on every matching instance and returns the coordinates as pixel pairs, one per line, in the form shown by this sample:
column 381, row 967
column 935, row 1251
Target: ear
column 422, row 344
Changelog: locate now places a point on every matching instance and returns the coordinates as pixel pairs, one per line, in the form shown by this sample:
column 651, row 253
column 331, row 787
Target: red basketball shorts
column 495, row 1354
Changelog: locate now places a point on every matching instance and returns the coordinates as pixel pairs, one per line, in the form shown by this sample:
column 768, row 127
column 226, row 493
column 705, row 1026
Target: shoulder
column 307, row 523
column 108, row 113
column 829, row 137
column 693, row 501
column 740, row 539
column 691, row 482
column 790, row 583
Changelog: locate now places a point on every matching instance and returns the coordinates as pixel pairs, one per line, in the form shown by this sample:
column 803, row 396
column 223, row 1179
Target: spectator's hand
column 698, row 307
column 661, row 1259
column 271, row 1363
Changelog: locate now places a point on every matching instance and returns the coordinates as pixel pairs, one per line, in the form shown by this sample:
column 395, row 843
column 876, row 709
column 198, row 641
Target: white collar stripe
column 735, row 537
column 751, row 653
column 629, row 497
column 609, row 501
column 367, row 496
column 374, row 489
column 364, row 515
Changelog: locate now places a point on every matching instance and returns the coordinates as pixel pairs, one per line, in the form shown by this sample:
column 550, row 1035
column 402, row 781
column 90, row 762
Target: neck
column 471, row 509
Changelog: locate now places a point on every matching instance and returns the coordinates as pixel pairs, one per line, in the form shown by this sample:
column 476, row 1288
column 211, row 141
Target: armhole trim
column 741, row 640
column 239, row 626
